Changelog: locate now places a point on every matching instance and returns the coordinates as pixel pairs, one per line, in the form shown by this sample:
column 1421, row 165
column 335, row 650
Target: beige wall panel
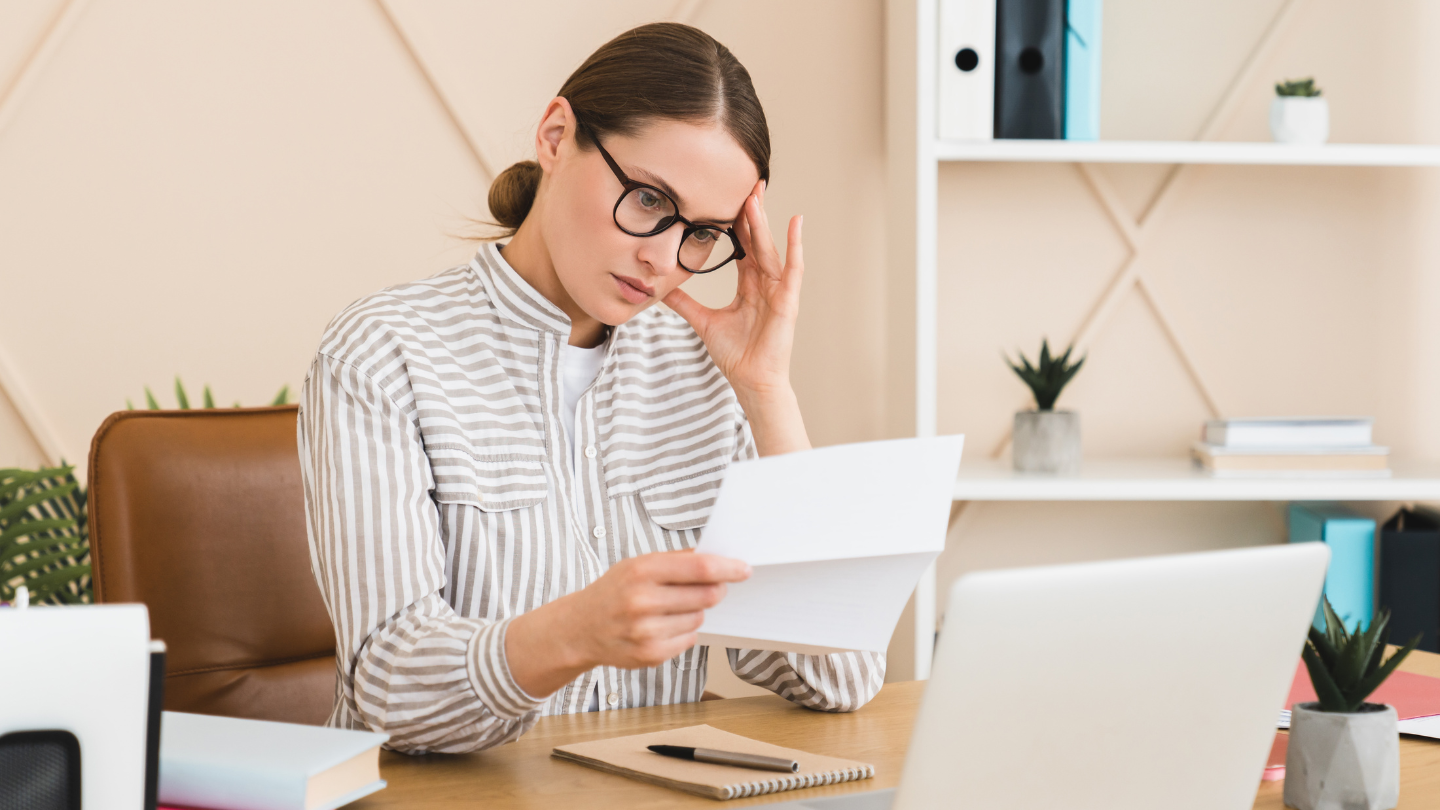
column 823, row 97
column 1023, row 252
column 17, row 446
column 22, row 25
column 198, row 188
column 500, row 63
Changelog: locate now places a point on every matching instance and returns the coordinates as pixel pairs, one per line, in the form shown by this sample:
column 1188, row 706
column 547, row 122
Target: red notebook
column 1412, row 695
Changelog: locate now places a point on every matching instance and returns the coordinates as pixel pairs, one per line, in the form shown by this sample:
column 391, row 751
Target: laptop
column 1123, row 684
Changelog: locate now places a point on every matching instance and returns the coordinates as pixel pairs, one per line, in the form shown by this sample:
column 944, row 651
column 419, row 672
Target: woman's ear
column 557, row 125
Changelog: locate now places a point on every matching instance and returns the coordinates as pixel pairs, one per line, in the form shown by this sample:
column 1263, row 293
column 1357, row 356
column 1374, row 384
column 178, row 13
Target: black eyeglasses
column 645, row 210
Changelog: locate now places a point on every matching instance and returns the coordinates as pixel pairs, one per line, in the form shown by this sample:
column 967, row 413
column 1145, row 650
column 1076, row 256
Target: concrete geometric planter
column 1047, row 442
column 1342, row 761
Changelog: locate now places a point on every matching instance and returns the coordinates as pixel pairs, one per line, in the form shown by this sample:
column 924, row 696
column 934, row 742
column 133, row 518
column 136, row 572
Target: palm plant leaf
column 283, row 396
column 43, row 536
column 180, row 398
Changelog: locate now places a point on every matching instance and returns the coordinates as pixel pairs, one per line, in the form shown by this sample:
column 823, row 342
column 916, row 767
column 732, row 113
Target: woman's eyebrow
column 659, row 182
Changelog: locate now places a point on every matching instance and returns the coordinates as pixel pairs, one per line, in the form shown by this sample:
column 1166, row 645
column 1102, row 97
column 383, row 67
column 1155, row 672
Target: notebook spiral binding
column 794, row 782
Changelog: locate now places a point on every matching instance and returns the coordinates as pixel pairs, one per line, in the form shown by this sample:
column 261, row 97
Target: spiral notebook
column 628, row 756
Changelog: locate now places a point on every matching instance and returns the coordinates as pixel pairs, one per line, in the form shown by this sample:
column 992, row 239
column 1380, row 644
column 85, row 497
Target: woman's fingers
column 794, row 253
column 695, row 313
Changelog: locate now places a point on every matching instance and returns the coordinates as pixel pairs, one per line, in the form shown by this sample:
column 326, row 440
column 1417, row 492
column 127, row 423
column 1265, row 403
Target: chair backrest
column 200, row 515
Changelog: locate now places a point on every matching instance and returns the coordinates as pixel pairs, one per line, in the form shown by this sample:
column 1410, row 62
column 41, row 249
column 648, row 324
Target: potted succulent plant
column 1344, row 752
column 1298, row 114
column 1047, row 440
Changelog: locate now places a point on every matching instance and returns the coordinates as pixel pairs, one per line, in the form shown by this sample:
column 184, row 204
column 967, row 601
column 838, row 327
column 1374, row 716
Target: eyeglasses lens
column 706, row 249
column 644, row 211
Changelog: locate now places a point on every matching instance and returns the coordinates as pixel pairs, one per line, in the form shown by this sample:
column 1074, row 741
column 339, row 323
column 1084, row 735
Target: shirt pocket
column 676, row 510
column 497, row 484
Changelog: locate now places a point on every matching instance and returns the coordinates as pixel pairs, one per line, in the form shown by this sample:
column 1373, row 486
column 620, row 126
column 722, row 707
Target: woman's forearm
column 775, row 420
column 542, row 658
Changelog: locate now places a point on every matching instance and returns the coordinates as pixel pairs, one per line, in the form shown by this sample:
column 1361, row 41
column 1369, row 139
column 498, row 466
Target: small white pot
column 1342, row 761
column 1047, row 441
column 1300, row 119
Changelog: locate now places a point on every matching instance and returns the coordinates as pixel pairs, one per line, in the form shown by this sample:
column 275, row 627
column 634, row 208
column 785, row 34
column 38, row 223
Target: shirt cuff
column 490, row 676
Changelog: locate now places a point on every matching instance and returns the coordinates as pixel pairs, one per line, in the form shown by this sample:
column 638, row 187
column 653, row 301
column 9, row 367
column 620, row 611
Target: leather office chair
column 200, row 515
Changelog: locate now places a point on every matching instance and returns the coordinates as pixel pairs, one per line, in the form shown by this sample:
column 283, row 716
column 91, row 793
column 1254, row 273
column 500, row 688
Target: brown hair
column 661, row 70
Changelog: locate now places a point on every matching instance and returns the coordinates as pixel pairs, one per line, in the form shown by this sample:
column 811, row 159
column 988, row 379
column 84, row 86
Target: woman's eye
column 704, row 236
column 650, row 199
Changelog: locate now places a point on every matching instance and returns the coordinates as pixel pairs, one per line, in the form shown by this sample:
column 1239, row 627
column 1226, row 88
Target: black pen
column 727, row 758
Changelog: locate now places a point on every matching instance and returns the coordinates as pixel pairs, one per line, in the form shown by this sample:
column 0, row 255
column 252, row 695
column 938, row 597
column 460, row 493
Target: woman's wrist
column 775, row 419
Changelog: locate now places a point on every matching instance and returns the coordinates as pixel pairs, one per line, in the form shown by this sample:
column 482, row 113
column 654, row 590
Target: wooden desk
column 524, row 775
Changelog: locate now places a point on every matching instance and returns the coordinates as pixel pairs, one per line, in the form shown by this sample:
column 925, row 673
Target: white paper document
column 837, row 538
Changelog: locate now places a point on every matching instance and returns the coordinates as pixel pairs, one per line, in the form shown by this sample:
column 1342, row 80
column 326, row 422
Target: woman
column 506, row 465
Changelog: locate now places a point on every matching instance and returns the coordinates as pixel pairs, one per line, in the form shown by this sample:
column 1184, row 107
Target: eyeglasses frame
column 668, row 222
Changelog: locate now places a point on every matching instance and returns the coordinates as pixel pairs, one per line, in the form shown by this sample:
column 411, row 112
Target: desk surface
column 524, row 775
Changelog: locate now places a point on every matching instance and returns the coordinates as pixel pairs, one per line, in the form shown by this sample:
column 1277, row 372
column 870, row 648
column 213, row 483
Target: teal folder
column 1350, row 582
column 1082, row 70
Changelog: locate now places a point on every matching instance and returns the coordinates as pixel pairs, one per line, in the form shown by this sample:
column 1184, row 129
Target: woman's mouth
column 633, row 289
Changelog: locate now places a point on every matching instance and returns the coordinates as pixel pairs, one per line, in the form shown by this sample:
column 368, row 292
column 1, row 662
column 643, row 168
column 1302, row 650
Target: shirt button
column 613, row 699
column 600, row 532
column 590, row 452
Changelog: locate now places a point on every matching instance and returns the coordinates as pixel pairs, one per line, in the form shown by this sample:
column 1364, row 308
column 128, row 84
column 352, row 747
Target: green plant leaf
column 1335, row 629
column 129, row 406
column 283, row 396
column 1374, row 679
column 1325, row 689
column 180, row 398
column 209, row 398
column 21, row 505
column 150, row 400
column 1323, row 648
column 23, row 529
column 39, row 563
column 43, row 587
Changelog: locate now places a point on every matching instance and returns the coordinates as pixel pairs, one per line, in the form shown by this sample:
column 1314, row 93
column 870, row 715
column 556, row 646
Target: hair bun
column 513, row 192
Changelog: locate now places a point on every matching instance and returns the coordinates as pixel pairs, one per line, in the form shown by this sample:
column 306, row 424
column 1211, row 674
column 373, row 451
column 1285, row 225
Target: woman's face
column 608, row 273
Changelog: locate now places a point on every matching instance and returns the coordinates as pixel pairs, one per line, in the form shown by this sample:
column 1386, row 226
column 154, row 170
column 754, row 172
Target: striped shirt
column 440, row 503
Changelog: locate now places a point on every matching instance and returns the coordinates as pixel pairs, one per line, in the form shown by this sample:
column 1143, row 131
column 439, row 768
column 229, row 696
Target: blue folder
column 1082, row 70
column 1350, row 582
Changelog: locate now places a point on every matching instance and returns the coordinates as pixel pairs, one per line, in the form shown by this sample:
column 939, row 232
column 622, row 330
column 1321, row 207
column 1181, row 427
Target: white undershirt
column 578, row 368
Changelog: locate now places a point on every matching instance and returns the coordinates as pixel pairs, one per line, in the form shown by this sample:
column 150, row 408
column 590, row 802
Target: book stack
column 1292, row 447
column 1019, row 69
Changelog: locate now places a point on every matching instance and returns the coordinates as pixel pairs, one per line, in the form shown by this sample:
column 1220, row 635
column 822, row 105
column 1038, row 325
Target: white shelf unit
column 1180, row 480
column 1172, row 152
column 914, row 155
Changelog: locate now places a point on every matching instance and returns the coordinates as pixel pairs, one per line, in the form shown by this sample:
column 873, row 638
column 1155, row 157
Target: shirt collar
column 513, row 296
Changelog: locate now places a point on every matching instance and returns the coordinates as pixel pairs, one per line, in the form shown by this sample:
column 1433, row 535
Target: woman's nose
column 662, row 250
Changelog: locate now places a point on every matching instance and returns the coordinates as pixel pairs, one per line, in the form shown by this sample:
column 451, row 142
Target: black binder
column 1410, row 577
column 1030, row 69
column 154, row 706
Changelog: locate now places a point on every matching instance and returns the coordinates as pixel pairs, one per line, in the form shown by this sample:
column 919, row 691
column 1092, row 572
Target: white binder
column 966, row 103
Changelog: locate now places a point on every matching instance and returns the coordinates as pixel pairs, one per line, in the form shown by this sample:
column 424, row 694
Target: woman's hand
column 644, row 611
column 750, row 340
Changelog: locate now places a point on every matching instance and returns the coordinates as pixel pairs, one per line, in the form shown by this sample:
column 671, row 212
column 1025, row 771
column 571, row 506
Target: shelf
column 1179, row 480
column 1231, row 152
